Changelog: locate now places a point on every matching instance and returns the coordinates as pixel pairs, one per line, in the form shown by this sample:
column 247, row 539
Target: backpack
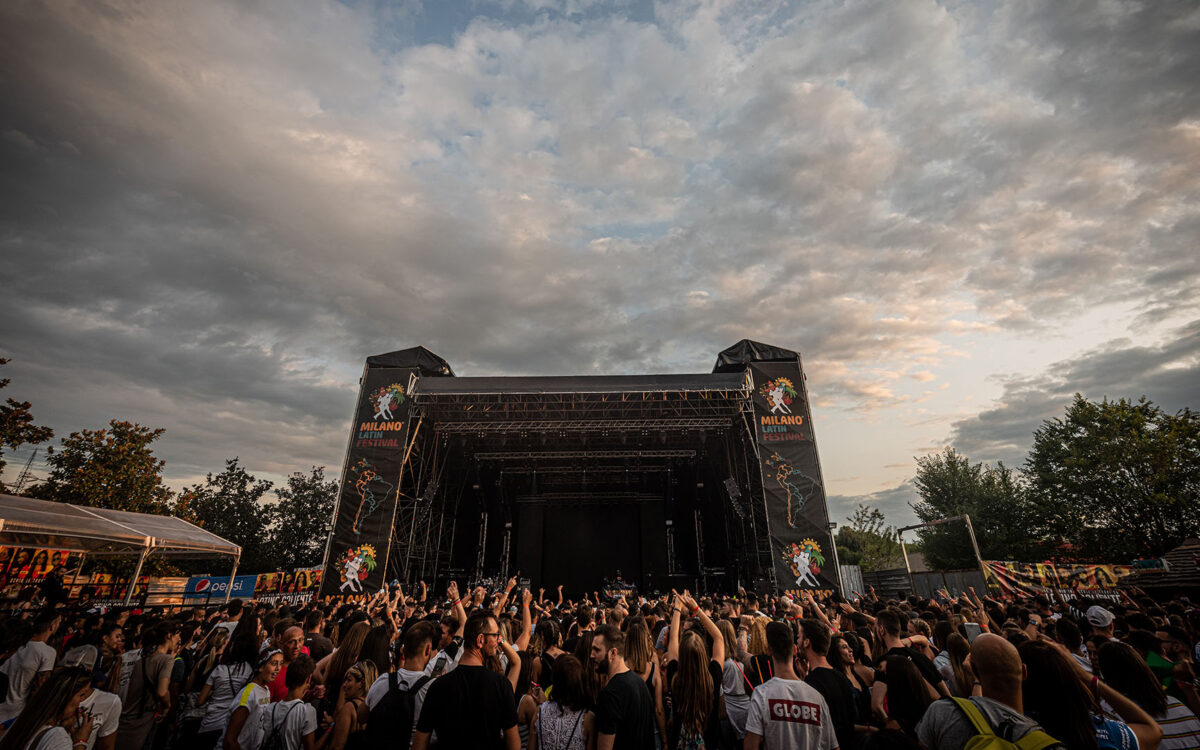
column 987, row 739
column 395, row 714
column 275, row 739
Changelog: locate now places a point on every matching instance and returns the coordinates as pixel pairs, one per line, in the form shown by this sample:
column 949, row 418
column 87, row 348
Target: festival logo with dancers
column 806, row 560
column 355, row 566
column 385, row 399
column 779, row 393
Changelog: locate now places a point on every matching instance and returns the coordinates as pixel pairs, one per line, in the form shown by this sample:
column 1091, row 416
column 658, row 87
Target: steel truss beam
column 583, row 425
column 552, row 455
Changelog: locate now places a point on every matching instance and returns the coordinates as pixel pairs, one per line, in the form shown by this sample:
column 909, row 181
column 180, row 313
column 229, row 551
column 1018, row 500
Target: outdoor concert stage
column 704, row 481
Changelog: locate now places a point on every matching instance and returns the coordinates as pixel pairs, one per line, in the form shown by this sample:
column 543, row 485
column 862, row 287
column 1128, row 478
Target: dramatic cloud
column 211, row 212
column 1168, row 374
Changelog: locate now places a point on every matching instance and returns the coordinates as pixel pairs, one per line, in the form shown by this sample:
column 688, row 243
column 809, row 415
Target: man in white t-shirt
column 415, row 656
column 28, row 667
column 102, row 706
column 292, row 718
column 784, row 711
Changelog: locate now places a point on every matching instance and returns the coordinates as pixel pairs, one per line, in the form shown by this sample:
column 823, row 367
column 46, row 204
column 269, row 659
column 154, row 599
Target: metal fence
column 896, row 583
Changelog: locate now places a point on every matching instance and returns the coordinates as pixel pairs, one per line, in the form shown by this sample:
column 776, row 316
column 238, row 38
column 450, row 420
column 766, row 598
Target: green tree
column 1117, row 479
column 16, row 425
column 108, row 468
column 301, row 518
column 868, row 541
column 993, row 496
column 230, row 505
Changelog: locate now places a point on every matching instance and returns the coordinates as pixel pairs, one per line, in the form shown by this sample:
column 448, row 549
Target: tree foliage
column 108, row 468
column 16, row 425
column 995, row 499
column 301, row 518
column 1117, row 480
column 868, row 541
column 230, row 505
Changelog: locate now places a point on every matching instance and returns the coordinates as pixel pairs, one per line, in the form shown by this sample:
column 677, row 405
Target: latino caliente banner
column 356, row 560
column 1055, row 581
column 801, row 545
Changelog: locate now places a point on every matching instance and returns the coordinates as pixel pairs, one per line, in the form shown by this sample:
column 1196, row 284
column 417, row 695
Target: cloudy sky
column 960, row 213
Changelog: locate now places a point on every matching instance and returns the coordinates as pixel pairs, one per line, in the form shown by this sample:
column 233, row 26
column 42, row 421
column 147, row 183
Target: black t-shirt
column 919, row 660
column 318, row 646
column 626, row 710
column 760, row 669
column 469, row 707
column 712, row 729
column 839, row 696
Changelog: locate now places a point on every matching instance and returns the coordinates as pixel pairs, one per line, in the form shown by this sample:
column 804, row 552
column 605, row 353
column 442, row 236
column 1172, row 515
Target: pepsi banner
column 801, row 544
column 356, row 557
column 214, row 587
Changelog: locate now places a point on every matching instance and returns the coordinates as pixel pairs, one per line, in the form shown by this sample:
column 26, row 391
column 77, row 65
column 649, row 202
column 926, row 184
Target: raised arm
column 526, row 621
column 710, row 627
column 673, row 633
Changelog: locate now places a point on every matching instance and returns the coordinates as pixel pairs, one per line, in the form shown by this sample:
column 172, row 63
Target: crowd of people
column 516, row 669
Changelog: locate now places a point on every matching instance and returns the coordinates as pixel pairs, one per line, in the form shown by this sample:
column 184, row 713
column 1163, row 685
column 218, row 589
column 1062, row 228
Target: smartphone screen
column 439, row 667
column 973, row 631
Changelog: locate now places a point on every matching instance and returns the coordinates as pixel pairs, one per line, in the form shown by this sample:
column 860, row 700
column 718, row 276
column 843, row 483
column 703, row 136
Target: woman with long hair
column 564, row 722
column 529, row 695
column 1126, row 672
column 908, row 695
column 961, row 676
column 643, row 660
column 758, row 667
column 1062, row 697
column 222, row 685
column 192, row 711
column 147, row 694
column 49, row 720
column 841, row 658
column 549, row 637
column 735, row 688
column 376, row 647
column 332, row 669
column 695, row 679
column 351, row 718
column 592, row 679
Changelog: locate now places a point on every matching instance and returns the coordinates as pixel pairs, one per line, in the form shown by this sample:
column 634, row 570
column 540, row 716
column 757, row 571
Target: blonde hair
column 366, row 672
column 639, row 651
column 758, row 636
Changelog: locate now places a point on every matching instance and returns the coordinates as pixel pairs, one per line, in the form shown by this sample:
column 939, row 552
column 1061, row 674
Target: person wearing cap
column 103, row 707
column 1101, row 621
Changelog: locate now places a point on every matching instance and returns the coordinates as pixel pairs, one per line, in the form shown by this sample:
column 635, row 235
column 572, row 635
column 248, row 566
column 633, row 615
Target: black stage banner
column 356, row 559
column 800, row 541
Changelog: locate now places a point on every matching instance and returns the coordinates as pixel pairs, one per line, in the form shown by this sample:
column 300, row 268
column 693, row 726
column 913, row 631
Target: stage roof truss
column 582, row 425
column 580, row 455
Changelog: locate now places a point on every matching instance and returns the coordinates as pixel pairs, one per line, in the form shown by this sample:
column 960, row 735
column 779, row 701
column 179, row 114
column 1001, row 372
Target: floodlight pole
column 137, row 573
column 970, row 532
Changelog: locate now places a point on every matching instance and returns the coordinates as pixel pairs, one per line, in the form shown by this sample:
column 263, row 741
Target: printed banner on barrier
column 362, row 530
column 213, row 587
column 800, row 539
column 1056, row 581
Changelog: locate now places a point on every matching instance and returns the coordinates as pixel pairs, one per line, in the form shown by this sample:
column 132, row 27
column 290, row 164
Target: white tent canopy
column 26, row 522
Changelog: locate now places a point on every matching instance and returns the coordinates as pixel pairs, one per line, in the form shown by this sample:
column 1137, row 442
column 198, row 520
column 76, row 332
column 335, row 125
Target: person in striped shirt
column 1126, row 672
